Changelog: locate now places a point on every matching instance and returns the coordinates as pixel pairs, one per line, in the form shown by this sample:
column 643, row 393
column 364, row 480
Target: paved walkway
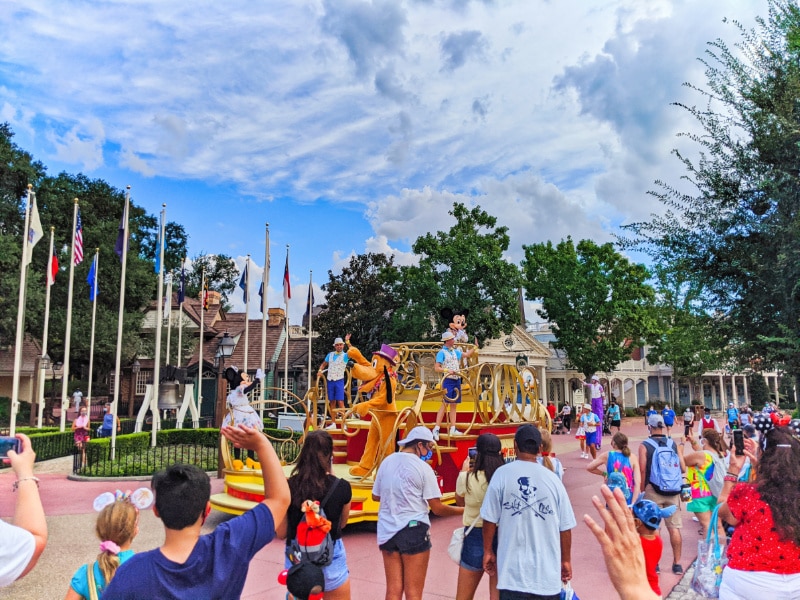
column 72, row 542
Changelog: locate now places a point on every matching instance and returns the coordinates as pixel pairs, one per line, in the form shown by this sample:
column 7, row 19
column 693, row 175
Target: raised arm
column 28, row 512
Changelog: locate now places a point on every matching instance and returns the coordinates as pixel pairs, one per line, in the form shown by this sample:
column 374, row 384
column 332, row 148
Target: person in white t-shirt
column 406, row 486
column 22, row 543
column 528, row 507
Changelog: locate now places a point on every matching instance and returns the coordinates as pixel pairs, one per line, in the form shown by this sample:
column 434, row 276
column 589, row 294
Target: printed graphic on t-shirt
column 525, row 499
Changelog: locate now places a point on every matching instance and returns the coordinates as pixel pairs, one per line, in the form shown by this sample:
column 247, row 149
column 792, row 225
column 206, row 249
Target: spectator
column 547, row 457
column 215, row 565
column 108, row 422
column 764, row 552
column 663, row 498
column 551, row 410
column 80, row 435
column 529, row 509
column 22, row 543
column 621, row 546
column 619, row 460
column 470, row 490
column 406, row 487
column 116, row 526
column 614, row 415
column 669, row 418
column 647, row 517
column 733, row 417
column 312, row 480
column 336, row 363
column 705, row 469
column 688, row 420
column 566, row 416
column 77, row 396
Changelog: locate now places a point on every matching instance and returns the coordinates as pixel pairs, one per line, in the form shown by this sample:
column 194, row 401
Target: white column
column 543, row 384
column 567, row 391
column 746, row 396
column 722, row 394
column 775, row 387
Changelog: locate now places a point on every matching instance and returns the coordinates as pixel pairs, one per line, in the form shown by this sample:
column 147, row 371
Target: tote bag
column 710, row 561
column 457, row 541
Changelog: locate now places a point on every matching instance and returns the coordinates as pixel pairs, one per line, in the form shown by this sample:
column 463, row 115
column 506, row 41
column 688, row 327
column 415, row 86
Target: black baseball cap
column 528, row 439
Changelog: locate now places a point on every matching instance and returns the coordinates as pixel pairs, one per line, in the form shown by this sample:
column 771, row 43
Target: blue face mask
column 427, row 456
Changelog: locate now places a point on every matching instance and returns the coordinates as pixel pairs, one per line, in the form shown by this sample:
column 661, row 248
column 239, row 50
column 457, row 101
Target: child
column 117, row 525
column 647, row 518
column 546, row 457
column 580, row 435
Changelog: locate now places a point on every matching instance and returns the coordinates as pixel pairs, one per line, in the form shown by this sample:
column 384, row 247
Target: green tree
column 735, row 225
column 598, row 302
column 463, row 268
column 360, row 300
column 758, row 391
column 221, row 275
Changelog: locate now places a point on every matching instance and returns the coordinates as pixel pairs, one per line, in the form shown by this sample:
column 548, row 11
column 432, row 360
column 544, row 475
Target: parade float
column 396, row 391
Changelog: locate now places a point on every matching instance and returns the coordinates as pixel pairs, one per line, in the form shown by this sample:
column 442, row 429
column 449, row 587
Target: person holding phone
column 22, row 543
column 705, row 470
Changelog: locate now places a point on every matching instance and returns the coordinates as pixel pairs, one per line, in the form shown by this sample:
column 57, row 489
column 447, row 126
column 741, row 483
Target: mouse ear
column 142, row 498
column 103, row 500
column 463, row 311
column 446, row 314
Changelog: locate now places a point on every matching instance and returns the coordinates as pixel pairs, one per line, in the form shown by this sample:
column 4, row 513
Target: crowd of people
column 517, row 516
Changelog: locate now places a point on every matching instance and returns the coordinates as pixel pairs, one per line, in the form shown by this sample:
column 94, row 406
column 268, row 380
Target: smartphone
column 686, row 429
column 6, row 444
column 473, row 452
column 738, row 441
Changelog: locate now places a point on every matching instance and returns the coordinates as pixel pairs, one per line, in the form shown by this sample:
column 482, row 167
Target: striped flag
column 287, row 288
column 205, row 296
column 79, row 240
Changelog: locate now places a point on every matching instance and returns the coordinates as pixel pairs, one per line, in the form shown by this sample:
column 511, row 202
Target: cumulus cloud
column 457, row 47
column 81, row 145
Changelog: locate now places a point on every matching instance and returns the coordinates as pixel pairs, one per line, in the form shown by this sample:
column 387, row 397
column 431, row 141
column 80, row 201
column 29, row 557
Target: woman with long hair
column 619, row 460
column 80, row 429
column 116, row 526
column 470, row 489
column 705, row 469
column 312, row 479
column 764, row 552
column 407, row 489
column 547, row 458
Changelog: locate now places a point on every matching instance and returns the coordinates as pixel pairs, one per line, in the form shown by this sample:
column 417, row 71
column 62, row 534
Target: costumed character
column 239, row 410
column 379, row 381
column 457, row 323
column 448, row 361
column 598, row 395
column 336, row 362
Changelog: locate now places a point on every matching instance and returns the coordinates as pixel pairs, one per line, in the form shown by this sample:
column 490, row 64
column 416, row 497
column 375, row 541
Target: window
column 290, row 384
column 143, row 378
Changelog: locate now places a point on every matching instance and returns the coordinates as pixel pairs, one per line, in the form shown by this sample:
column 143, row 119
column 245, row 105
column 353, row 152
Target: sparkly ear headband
column 141, row 498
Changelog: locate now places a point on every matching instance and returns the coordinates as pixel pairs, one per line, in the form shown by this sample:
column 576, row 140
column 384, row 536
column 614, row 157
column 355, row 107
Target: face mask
column 427, row 456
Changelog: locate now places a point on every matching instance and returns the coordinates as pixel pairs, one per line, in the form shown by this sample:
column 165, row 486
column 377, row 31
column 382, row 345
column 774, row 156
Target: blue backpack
column 665, row 467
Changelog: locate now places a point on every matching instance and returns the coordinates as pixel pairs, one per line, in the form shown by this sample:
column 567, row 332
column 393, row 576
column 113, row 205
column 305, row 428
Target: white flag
column 35, row 231
column 168, row 299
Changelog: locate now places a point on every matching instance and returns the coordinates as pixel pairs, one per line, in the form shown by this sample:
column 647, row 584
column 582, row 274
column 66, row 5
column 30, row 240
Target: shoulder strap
column 91, row 582
column 327, row 497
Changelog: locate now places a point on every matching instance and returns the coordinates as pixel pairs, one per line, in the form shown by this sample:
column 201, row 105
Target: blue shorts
column 452, row 390
column 593, row 438
column 336, row 573
column 472, row 550
column 336, row 392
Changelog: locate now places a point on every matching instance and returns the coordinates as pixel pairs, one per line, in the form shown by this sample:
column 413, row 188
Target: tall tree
column 598, row 302
column 221, row 275
column 463, row 268
column 737, row 229
column 360, row 300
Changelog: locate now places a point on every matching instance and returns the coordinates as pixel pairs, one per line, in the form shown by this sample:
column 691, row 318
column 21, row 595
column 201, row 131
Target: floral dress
column 239, row 410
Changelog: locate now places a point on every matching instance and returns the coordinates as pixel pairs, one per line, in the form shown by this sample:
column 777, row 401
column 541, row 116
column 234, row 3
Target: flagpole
column 168, row 309
column 67, row 335
column 124, row 260
column 182, row 295
column 246, row 311
column 202, row 333
column 264, row 284
column 50, row 281
column 159, row 317
column 96, row 268
column 23, row 277
column 286, row 346
column 310, row 311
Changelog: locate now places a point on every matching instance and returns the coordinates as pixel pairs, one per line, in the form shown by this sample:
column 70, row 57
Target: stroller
column 606, row 423
column 558, row 425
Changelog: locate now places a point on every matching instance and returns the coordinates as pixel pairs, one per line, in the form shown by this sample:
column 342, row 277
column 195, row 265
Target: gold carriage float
column 496, row 398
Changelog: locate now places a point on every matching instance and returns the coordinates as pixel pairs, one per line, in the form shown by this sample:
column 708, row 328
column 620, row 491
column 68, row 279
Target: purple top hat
column 387, row 352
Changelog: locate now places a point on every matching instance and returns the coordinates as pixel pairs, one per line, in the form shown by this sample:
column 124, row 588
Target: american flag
column 79, row 240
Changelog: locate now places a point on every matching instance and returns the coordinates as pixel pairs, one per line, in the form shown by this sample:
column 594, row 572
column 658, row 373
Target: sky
column 352, row 126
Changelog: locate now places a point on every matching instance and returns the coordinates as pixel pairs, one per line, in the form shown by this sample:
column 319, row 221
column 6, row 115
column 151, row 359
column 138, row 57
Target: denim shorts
column 336, row 573
column 409, row 540
column 472, row 550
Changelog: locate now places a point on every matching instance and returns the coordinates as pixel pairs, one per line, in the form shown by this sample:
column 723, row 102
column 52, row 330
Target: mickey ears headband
column 764, row 424
column 141, row 498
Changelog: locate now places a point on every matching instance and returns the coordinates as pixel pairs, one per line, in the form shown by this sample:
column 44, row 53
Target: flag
column 311, row 296
column 182, row 287
column 287, row 288
column 168, row 302
column 79, row 239
column 243, row 283
column 205, row 296
column 261, row 295
column 53, row 270
column 119, row 247
column 35, row 231
column 91, row 280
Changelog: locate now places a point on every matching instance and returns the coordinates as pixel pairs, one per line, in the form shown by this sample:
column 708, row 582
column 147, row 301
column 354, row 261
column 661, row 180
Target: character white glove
column 260, row 375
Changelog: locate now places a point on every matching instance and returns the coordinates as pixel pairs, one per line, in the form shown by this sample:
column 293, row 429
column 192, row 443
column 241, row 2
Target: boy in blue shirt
column 669, row 418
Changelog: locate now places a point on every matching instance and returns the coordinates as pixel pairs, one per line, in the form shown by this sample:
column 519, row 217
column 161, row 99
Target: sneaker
column 435, row 433
column 677, row 569
column 454, row 431
column 658, row 569
column 331, row 426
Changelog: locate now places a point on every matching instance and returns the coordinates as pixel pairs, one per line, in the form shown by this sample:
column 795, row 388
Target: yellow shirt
column 473, row 498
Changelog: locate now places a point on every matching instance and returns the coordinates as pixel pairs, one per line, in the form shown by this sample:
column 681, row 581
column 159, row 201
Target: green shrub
column 52, row 445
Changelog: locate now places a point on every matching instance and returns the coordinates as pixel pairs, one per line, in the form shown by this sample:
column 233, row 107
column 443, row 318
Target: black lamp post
column 44, row 365
column 135, row 368
column 57, row 366
column 224, row 350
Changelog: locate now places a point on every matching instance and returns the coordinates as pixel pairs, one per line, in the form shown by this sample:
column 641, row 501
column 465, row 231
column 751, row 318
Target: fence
column 143, row 461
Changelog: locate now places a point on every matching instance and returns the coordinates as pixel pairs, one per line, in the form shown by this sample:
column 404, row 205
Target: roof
column 31, row 351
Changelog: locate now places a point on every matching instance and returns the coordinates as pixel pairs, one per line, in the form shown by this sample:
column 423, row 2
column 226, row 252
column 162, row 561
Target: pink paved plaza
column 68, row 505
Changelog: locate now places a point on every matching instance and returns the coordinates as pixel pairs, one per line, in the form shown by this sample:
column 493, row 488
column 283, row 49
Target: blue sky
column 353, row 125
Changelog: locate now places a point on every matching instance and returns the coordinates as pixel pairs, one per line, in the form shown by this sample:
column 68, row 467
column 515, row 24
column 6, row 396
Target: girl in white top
column 546, row 458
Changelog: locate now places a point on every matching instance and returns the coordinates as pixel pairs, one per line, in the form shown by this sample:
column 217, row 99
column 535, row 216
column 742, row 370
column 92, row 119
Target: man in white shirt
column 528, row 507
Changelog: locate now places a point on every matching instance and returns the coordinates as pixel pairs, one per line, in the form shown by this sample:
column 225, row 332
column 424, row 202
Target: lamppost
column 44, row 365
column 224, row 350
column 56, row 366
column 135, row 368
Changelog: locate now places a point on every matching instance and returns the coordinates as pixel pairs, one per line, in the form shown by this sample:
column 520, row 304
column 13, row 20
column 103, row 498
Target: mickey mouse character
column 456, row 322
